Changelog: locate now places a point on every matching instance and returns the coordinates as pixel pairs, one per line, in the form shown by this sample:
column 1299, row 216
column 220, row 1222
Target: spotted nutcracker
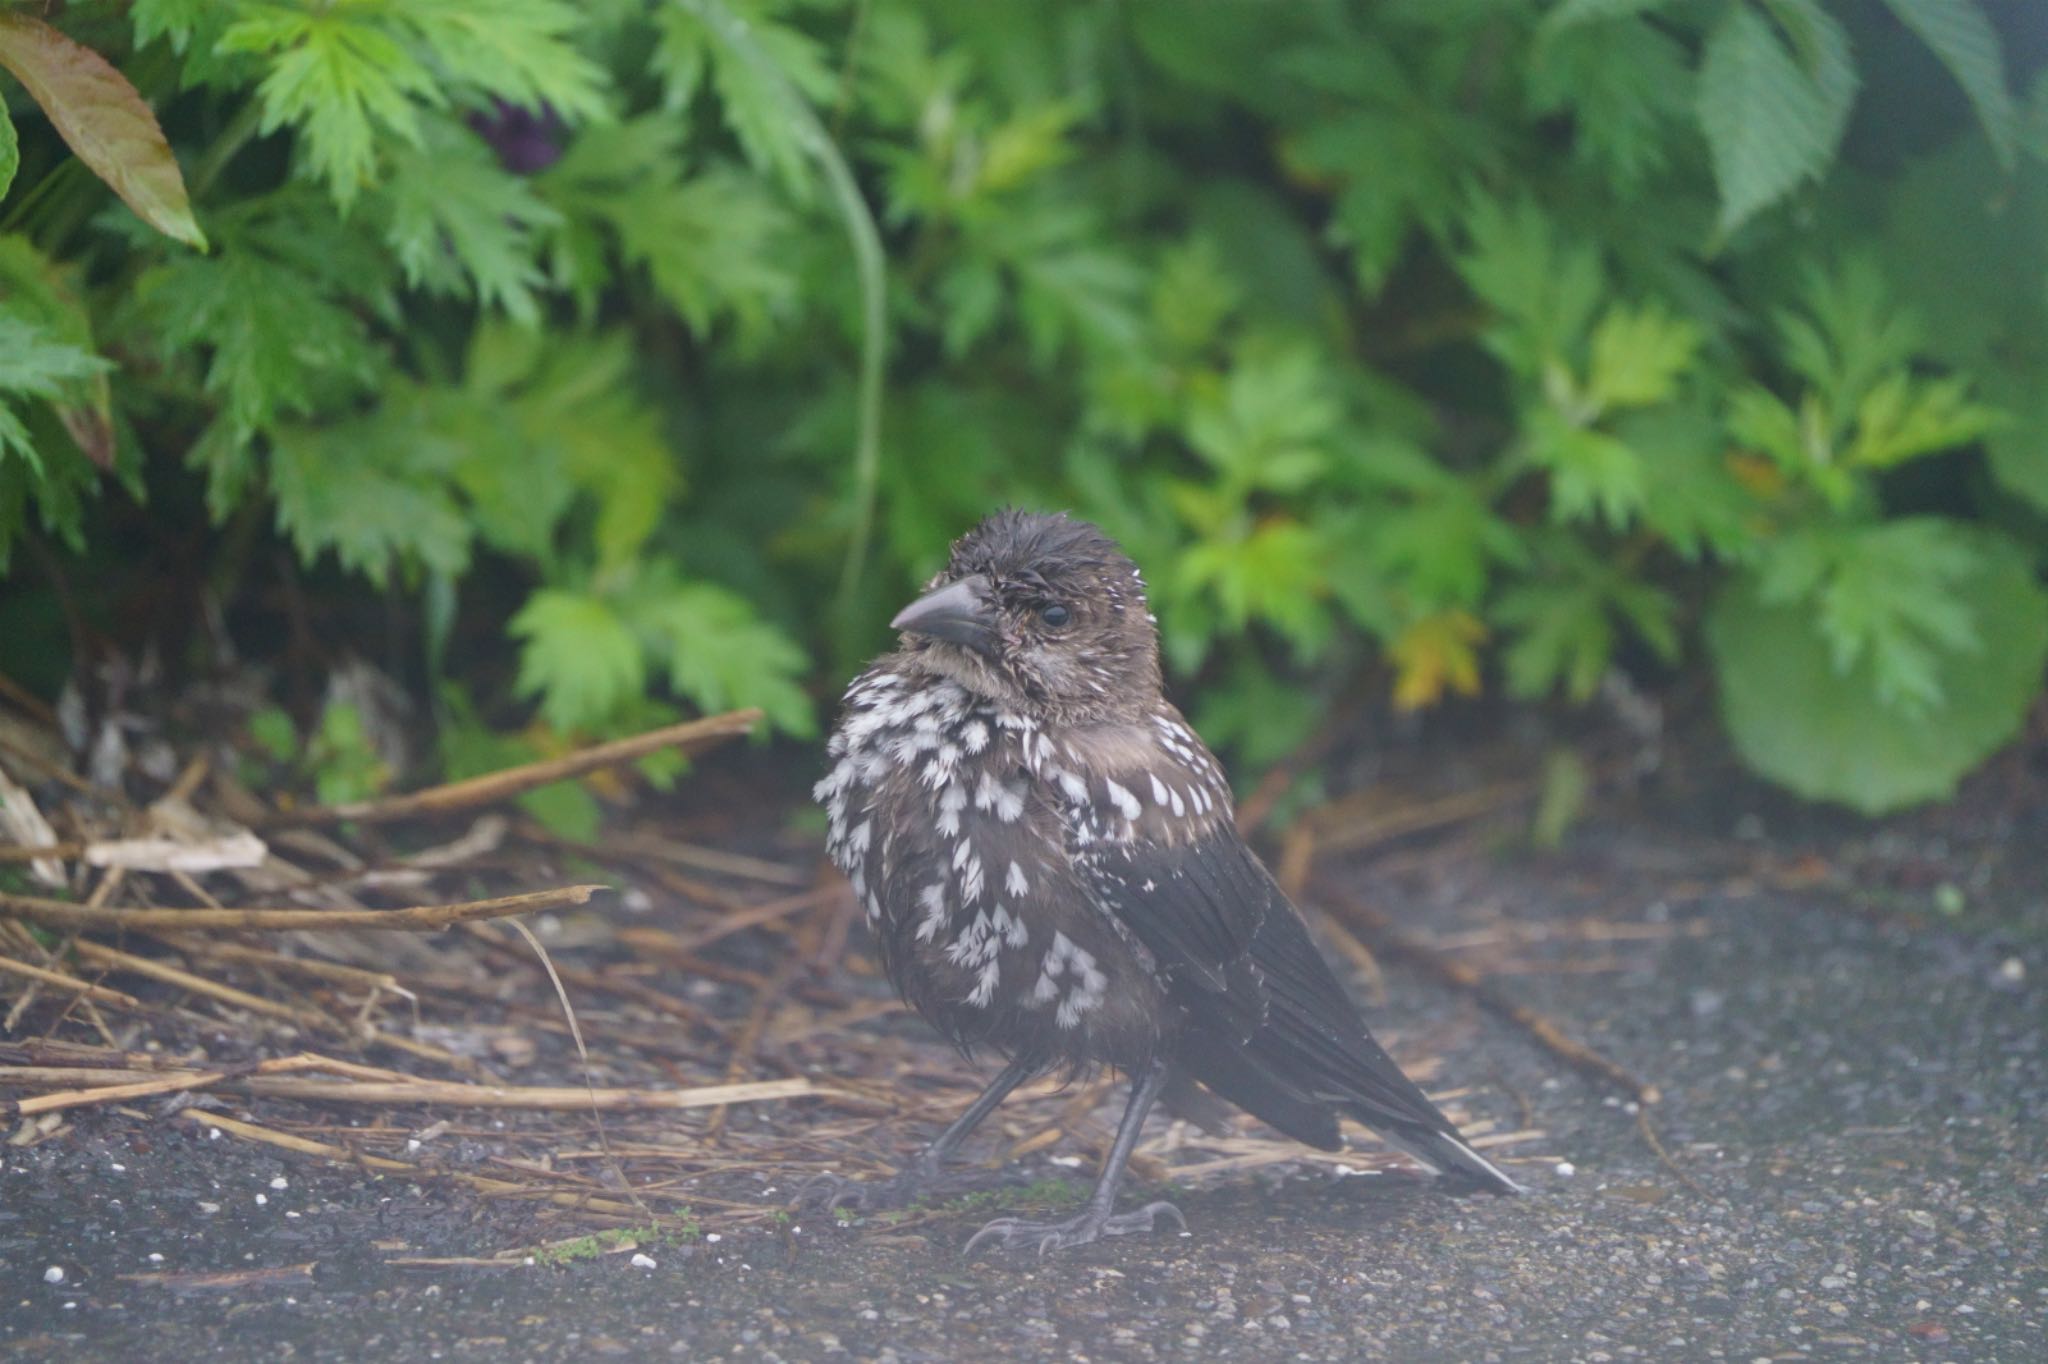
column 1048, row 860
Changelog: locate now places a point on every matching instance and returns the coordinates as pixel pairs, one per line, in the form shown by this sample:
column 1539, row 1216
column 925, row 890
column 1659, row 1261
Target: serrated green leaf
column 1802, row 722
column 523, row 52
column 721, row 654
column 337, row 75
column 1772, row 113
column 1638, row 356
column 1267, row 425
column 1570, row 13
column 1592, row 473
column 1961, row 35
column 1902, row 417
column 101, row 118
column 10, row 151
column 37, row 290
column 1544, row 286
column 364, row 502
column 276, row 342
column 578, row 656
column 760, row 69
column 34, row 363
column 460, row 224
column 1890, row 593
column 1629, row 88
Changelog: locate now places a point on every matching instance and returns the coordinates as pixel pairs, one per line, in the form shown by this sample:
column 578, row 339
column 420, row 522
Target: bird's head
column 1042, row 613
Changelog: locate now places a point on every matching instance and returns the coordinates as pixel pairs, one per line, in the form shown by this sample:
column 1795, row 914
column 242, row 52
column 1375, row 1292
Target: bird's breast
column 946, row 815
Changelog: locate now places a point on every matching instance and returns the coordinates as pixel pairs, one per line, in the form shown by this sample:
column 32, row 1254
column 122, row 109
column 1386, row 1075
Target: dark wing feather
column 1237, row 956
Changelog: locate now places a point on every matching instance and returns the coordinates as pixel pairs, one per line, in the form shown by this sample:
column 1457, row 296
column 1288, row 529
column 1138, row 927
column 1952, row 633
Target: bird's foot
column 1012, row 1233
column 830, row 1193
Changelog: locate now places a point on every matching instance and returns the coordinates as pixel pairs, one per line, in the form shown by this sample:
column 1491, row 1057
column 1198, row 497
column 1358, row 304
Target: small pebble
column 713, row 1237
column 643, row 1262
column 2012, row 971
column 54, row 1274
column 156, row 1257
column 1566, row 1169
column 280, row 1183
column 262, row 1199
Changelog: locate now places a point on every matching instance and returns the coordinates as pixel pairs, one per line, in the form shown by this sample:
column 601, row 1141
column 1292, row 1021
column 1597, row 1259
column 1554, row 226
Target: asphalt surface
column 1854, row 1068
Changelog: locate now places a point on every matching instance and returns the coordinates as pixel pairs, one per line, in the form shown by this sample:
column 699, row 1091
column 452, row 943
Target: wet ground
column 1849, row 1027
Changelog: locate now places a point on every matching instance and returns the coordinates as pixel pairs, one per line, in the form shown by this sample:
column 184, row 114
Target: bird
column 1049, row 863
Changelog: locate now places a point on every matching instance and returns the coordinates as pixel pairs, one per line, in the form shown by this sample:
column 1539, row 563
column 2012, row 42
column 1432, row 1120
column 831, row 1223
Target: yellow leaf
column 1435, row 654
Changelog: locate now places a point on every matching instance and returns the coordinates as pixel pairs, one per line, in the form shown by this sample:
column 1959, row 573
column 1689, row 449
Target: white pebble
column 1566, row 1169
column 54, row 1274
column 1066, row 1162
column 280, row 1183
column 156, row 1257
column 713, row 1237
column 2012, row 971
column 118, row 1168
column 643, row 1262
column 262, row 1199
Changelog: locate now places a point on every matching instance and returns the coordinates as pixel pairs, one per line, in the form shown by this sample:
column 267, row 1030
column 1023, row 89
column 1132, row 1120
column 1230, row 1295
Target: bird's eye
column 1054, row 614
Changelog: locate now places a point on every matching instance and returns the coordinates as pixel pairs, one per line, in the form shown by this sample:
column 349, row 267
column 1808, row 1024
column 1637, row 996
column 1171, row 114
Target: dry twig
column 513, row 781
column 419, row 919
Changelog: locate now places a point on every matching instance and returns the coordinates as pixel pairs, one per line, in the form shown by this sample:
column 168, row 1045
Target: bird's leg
column 1098, row 1219
column 925, row 1169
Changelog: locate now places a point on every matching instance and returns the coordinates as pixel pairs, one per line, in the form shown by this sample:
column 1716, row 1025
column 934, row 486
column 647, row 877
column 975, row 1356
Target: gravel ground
column 1855, row 1091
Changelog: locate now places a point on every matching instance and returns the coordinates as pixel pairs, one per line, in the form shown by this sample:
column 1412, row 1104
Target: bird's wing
column 1232, row 949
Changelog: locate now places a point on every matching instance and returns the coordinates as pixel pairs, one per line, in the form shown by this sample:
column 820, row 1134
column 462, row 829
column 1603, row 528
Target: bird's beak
column 958, row 612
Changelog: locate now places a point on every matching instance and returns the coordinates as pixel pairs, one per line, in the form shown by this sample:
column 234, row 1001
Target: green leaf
column 1570, row 13
column 523, row 52
column 1902, row 418
column 759, row 68
column 1591, row 472
column 338, row 75
column 1772, row 105
column 36, row 364
column 1803, row 722
column 277, row 342
column 1891, row 593
column 1962, row 36
column 1638, row 356
column 350, row 490
column 1274, row 574
column 1629, row 89
column 721, row 655
column 2018, row 450
column 461, row 224
column 38, row 291
column 1544, row 286
column 715, row 245
column 101, row 117
column 578, row 655
column 10, row 151
column 1267, row 425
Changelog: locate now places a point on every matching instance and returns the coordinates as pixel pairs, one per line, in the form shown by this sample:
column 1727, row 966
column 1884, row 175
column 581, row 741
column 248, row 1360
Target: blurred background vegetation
column 586, row 363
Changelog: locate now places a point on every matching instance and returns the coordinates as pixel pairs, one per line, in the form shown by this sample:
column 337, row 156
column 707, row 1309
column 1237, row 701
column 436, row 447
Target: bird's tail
column 1446, row 1154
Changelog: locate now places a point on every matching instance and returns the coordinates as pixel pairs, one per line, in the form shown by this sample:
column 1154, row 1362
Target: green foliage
column 1491, row 337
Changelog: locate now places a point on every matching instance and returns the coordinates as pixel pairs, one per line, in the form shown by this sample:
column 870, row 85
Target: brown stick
column 99, row 993
column 513, row 781
column 420, row 919
column 250, row 1131
column 267, row 1080
column 1462, row 976
column 567, row 1098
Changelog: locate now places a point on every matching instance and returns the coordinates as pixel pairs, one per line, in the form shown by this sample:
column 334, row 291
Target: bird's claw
column 1013, row 1233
